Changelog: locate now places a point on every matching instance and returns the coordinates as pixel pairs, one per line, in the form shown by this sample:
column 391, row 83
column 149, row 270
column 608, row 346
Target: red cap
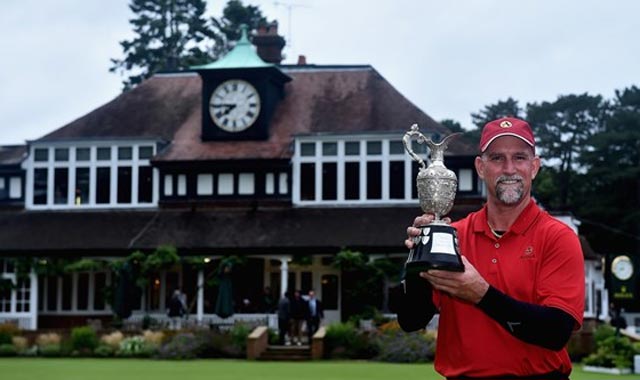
column 506, row 126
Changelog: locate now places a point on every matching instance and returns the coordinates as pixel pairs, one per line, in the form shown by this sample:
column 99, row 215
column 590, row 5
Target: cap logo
column 506, row 124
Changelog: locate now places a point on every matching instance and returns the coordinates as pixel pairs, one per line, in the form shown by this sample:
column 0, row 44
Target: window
column 103, row 185
column 182, row 184
column 465, row 180
column 41, row 155
column 145, row 184
column 329, row 180
column 225, row 184
column 100, row 280
column 125, row 153
column 61, row 154
column 61, row 186
column 88, row 176
column 40, row 182
column 82, row 186
column 205, row 184
column 83, row 154
column 124, row 184
column 104, row 154
column 283, row 186
column 168, row 185
column 329, row 291
column 308, row 181
column 246, row 184
column 145, row 152
column 3, row 189
column 269, row 184
column 354, row 170
column 15, row 187
column 83, row 291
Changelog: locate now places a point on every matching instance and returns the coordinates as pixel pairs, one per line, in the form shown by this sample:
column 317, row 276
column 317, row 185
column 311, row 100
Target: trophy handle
column 406, row 140
column 437, row 149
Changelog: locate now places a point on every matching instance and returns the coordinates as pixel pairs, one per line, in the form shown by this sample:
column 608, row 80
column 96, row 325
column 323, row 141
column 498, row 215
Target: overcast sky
column 450, row 58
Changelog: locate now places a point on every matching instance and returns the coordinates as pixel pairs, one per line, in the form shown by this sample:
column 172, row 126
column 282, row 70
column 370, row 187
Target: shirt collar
column 523, row 222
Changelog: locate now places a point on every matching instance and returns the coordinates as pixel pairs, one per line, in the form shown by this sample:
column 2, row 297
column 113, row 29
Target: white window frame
column 385, row 157
column 72, row 164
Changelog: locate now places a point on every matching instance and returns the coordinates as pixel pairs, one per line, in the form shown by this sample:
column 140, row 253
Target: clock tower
column 239, row 94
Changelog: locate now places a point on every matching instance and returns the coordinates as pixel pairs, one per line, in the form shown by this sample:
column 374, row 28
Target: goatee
column 510, row 189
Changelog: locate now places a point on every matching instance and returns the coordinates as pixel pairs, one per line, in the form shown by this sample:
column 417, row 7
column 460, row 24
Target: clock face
column 622, row 267
column 234, row 105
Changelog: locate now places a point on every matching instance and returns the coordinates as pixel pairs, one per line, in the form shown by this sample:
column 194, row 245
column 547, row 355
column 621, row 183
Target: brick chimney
column 268, row 43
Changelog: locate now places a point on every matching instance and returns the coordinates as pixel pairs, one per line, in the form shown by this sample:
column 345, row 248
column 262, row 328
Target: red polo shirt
column 539, row 260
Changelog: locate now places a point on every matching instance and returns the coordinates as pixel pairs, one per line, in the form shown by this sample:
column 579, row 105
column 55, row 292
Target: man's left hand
column 469, row 285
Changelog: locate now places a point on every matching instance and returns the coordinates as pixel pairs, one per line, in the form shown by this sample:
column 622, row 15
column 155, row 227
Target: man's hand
column 414, row 231
column 468, row 285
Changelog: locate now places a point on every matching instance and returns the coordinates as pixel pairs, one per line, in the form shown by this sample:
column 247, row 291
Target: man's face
column 508, row 167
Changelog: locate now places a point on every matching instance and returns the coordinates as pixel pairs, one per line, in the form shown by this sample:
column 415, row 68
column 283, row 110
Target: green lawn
column 132, row 369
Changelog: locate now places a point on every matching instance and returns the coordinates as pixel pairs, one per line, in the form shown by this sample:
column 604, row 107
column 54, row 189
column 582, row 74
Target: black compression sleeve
column 412, row 302
column 544, row 326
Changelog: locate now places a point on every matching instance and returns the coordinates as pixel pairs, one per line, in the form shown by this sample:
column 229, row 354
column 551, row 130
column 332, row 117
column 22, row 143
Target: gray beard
column 510, row 194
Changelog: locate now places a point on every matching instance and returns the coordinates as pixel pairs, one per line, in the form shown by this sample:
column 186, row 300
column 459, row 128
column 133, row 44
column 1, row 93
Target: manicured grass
column 133, row 369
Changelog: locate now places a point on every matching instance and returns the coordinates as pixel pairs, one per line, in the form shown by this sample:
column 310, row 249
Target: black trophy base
column 425, row 255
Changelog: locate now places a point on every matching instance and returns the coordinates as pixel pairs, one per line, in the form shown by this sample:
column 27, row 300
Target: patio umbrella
column 123, row 298
column 224, row 302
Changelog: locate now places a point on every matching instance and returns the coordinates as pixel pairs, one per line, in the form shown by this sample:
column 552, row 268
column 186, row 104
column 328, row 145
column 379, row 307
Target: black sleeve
column 544, row 326
column 412, row 302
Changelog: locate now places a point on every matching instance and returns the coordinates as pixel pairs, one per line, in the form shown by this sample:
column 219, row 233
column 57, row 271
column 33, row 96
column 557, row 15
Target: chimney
column 268, row 43
column 302, row 60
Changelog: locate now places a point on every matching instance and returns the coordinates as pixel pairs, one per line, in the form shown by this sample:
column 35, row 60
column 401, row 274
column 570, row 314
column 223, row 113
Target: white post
column 33, row 301
column 284, row 274
column 200, row 306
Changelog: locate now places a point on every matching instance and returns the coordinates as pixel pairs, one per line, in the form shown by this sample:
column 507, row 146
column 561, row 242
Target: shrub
column 399, row 347
column 154, row 338
column 7, row 331
column 84, row 339
column 48, row 339
column 20, row 343
column 136, row 346
column 345, row 341
column 104, row 351
column 219, row 345
column 50, row 350
column 182, row 346
column 239, row 334
column 7, row 350
column 611, row 350
column 112, row 340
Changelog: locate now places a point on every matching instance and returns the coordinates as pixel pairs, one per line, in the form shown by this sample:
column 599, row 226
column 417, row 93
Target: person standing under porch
column 316, row 313
column 299, row 312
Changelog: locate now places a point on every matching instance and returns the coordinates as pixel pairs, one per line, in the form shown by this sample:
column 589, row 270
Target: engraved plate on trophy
column 437, row 245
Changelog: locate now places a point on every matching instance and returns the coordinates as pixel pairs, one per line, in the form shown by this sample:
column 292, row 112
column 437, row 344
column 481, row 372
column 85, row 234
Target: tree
column 235, row 14
column 610, row 197
column 503, row 108
column 563, row 129
column 170, row 35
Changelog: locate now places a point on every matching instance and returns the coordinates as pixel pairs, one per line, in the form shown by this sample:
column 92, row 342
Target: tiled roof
column 332, row 99
column 12, row 154
column 209, row 231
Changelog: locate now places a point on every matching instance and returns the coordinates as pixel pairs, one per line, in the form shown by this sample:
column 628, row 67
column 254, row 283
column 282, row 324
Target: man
column 512, row 310
column 299, row 310
column 284, row 315
column 316, row 313
column 176, row 310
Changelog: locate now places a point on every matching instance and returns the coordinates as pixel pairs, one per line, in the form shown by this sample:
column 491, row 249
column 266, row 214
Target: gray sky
column 450, row 58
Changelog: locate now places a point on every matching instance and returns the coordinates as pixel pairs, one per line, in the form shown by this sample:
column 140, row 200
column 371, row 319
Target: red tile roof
column 331, row 99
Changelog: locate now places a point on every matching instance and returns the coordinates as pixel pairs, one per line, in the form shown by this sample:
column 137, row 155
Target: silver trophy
column 437, row 245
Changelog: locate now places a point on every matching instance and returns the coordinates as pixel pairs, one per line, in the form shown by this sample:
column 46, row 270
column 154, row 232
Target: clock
column 234, row 105
column 622, row 267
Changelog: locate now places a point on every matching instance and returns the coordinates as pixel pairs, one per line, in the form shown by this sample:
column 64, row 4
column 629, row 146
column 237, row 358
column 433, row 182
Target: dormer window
column 91, row 175
column 360, row 170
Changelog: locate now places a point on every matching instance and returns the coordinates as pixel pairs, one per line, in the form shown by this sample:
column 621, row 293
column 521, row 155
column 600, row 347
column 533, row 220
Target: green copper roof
column 243, row 55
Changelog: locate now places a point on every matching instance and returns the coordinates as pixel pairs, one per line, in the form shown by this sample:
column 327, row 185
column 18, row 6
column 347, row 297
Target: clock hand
column 229, row 109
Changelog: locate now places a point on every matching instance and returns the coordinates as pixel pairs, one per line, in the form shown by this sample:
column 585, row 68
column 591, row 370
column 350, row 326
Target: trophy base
column 436, row 248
